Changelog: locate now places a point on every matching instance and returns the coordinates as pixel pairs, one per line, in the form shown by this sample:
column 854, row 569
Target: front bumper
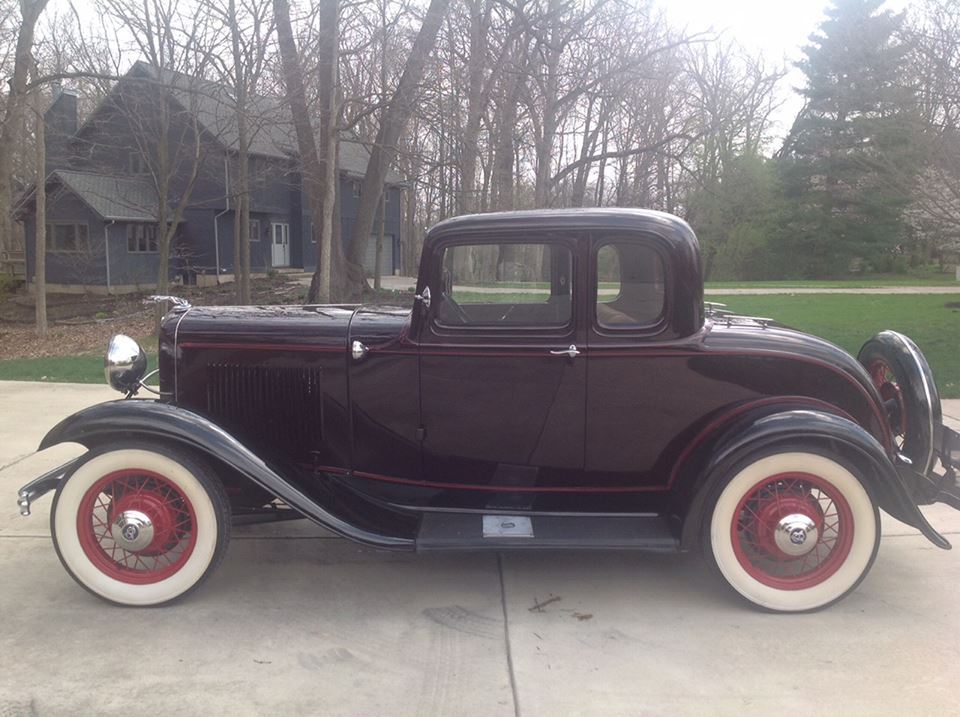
column 41, row 486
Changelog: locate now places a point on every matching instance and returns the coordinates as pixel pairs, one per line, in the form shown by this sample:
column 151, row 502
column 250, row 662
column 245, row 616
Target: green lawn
column 479, row 297
column 872, row 281
column 869, row 282
column 58, row 369
column 845, row 319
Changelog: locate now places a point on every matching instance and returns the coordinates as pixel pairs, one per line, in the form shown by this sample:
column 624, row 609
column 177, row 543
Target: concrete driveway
column 297, row 621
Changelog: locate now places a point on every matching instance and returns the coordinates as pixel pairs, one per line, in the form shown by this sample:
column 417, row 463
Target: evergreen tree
column 846, row 154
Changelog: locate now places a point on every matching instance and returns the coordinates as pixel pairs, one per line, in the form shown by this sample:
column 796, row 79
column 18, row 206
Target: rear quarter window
column 630, row 285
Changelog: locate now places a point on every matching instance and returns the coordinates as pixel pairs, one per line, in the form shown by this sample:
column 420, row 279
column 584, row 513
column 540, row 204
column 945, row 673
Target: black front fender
column 807, row 427
column 105, row 422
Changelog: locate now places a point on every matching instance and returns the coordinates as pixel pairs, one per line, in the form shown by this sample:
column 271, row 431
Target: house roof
column 270, row 122
column 115, row 198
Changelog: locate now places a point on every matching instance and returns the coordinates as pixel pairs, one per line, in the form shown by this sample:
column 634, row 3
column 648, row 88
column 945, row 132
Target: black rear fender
column 160, row 422
column 792, row 430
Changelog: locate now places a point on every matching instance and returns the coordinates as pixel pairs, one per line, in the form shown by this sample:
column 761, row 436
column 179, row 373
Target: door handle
column 570, row 352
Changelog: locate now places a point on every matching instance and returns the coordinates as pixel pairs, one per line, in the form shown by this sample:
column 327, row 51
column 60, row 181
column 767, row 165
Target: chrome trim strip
column 532, row 513
column 176, row 357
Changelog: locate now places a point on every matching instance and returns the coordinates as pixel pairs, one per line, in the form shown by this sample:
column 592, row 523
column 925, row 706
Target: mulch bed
column 83, row 323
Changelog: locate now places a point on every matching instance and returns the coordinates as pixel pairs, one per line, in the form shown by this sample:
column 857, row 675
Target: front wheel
column 137, row 526
column 792, row 531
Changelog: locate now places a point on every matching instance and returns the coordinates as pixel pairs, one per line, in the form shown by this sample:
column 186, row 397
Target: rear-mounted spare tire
column 902, row 376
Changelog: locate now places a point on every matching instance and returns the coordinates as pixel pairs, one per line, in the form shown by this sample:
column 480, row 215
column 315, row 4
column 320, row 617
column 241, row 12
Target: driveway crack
column 15, row 461
column 506, row 637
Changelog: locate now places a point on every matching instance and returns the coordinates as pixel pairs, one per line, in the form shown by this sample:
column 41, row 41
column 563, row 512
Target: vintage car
column 558, row 383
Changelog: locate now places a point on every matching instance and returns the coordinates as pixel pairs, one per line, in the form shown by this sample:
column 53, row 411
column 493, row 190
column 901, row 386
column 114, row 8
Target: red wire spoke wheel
column 136, row 526
column 902, row 377
column 792, row 531
column 140, row 525
column 888, row 386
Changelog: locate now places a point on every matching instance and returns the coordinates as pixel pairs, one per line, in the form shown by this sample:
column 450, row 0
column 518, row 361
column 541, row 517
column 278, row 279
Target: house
column 108, row 178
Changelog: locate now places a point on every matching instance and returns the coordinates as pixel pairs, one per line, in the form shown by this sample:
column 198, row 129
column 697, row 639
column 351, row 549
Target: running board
column 471, row 531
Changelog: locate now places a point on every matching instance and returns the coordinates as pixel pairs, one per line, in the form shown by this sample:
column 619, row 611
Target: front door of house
column 280, row 244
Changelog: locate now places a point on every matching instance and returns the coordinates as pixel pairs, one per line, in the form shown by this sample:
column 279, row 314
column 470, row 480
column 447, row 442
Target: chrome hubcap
column 132, row 530
column 796, row 534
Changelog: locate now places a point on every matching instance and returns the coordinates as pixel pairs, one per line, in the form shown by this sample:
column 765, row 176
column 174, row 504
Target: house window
column 355, row 187
column 137, row 164
column 254, row 230
column 142, row 238
column 67, row 236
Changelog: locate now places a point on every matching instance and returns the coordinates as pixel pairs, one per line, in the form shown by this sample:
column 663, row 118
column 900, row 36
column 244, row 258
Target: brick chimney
column 61, row 121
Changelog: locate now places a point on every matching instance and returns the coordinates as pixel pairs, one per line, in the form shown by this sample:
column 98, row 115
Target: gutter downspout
column 106, row 248
column 216, row 217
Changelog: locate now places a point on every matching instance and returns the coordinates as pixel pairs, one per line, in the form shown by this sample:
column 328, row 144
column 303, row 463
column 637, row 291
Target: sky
column 777, row 28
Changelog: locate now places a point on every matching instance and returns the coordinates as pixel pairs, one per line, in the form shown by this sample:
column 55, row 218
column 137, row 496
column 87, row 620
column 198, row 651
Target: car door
column 501, row 375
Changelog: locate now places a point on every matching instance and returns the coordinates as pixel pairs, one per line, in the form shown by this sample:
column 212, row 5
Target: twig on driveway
column 538, row 606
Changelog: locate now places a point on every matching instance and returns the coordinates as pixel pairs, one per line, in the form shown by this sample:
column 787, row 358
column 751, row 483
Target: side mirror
column 424, row 298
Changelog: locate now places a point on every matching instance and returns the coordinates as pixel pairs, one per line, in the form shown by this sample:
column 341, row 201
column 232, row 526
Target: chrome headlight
column 125, row 364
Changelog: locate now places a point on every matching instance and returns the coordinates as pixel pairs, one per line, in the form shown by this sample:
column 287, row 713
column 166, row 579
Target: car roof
column 671, row 228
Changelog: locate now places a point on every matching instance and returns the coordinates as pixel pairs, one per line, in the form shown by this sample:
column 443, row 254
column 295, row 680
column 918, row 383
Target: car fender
column 106, row 422
column 800, row 427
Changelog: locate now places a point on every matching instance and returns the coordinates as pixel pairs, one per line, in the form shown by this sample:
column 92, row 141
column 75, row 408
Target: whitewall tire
column 793, row 531
column 140, row 524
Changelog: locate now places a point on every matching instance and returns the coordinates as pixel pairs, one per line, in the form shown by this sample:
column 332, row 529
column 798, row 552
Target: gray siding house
column 105, row 179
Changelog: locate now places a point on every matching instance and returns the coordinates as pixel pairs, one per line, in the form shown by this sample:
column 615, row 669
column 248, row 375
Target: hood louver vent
column 277, row 406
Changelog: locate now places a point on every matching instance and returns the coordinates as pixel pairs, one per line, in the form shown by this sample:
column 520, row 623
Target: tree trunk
column 384, row 151
column 476, row 104
column 312, row 172
column 329, row 250
column 550, row 119
column 30, row 11
column 501, row 193
column 586, row 149
column 241, row 230
column 40, row 252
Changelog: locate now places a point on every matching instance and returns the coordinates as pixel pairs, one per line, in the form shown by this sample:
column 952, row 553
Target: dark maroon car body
column 397, row 430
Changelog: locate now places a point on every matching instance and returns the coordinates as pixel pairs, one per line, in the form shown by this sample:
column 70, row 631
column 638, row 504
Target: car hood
column 310, row 326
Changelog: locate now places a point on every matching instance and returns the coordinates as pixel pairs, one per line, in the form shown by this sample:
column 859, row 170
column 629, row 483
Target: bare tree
column 249, row 25
column 318, row 171
column 160, row 105
column 13, row 112
column 392, row 124
column 934, row 39
column 40, row 214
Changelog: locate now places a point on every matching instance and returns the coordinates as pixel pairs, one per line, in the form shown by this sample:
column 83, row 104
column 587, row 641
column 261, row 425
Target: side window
column 504, row 285
column 630, row 285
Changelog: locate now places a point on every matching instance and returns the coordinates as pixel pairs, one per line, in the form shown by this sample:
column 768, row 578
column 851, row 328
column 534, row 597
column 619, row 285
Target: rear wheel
column 793, row 531
column 138, row 526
